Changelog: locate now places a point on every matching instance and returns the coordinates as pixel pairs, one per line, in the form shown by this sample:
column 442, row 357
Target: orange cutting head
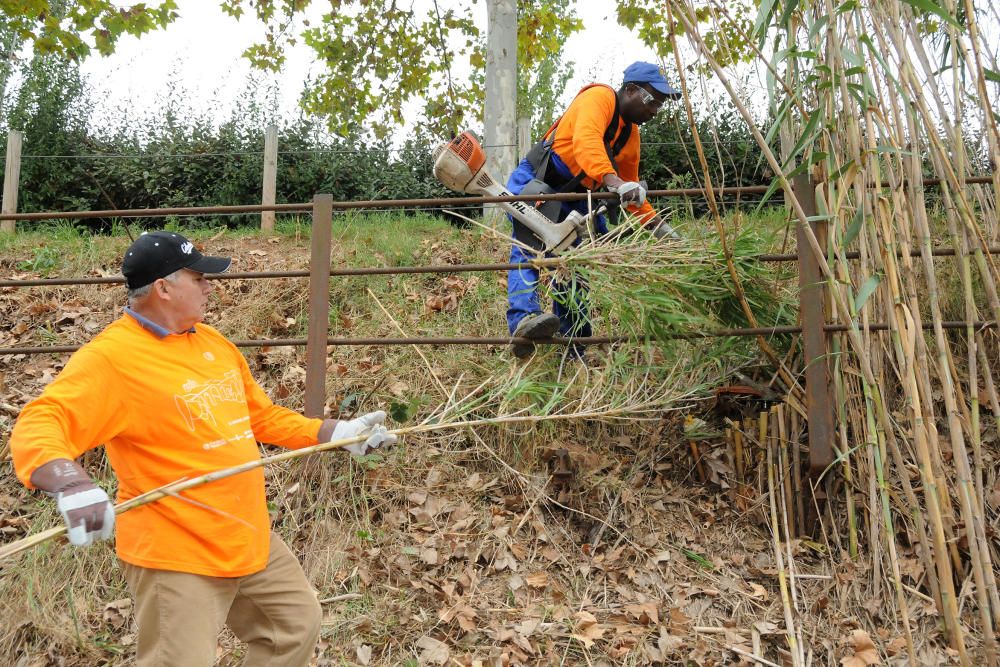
column 467, row 147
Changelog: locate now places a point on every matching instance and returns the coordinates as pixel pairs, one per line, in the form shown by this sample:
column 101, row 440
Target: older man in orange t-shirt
column 171, row 398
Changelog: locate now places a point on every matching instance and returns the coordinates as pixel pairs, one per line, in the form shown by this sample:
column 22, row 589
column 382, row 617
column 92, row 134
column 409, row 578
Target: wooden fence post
column 11, row 176
column 269, row 187
column 319, row 305
column 812, row 309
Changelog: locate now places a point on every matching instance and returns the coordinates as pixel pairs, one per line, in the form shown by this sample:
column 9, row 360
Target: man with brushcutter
column 594, row 144
column 171, row 398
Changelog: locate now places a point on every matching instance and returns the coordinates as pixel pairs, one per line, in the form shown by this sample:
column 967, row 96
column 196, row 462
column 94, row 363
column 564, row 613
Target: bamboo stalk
column 800, row 513
column 738, row 447
column 781, row 437
column 791, row 634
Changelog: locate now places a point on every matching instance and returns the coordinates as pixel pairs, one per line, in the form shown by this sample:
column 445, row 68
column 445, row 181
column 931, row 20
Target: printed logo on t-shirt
column 200, row 399
column 208, row 356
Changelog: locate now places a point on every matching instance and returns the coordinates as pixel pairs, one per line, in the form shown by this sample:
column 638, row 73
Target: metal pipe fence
column 814, row 328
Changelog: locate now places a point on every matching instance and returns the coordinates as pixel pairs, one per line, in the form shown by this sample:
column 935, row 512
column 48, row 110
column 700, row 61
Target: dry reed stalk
column 988, row 384
column 844, row 451
column 738, row 448
column 878, row 449
column 776, row 433
column 771, row 431
column 800, row 514
column 900, row 123
column 696, row 461
column 791, row 633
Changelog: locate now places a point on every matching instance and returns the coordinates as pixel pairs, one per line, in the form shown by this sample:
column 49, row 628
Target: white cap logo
column 187, row 247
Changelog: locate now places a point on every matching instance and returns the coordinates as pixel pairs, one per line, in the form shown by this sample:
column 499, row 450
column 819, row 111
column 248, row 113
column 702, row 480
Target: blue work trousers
column 570, row 296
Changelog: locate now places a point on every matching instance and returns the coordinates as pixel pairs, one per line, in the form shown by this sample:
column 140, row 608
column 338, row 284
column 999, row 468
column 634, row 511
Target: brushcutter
column 460, row 165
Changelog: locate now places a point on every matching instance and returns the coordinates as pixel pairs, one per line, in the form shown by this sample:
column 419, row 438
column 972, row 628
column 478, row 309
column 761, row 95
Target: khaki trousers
column 180, row 615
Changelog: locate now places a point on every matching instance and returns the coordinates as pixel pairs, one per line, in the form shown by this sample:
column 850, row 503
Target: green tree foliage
column 543, row 27
column 727, row 26
column 75, row 29
column 181, row 157
column 378, row 57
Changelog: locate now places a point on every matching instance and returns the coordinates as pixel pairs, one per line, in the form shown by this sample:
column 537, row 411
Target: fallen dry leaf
column 646, row 613
column 864, row 651
column 537, row 580
column 434, row 652
column 587, row 628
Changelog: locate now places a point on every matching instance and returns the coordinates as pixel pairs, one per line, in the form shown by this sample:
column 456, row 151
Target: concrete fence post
column 269, row 186
column 11, row 177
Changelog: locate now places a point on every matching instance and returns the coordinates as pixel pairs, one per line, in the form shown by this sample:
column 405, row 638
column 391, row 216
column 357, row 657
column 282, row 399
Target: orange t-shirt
column 166, row 409
column 579, row 141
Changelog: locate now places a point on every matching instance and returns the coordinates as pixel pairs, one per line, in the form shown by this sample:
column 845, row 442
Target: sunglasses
column 648, row 99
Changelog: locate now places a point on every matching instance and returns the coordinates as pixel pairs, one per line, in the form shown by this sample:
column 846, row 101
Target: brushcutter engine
column 460, row 165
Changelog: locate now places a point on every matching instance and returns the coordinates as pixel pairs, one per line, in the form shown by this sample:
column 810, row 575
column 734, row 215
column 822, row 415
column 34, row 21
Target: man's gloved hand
column 631, row 193
column 665, row 231
column 84, row 506
column 371, row 424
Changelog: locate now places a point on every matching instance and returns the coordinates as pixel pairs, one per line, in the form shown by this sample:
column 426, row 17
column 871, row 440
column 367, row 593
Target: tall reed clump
column 870, row 99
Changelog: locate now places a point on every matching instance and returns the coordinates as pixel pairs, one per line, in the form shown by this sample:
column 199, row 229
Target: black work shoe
column 535, row 325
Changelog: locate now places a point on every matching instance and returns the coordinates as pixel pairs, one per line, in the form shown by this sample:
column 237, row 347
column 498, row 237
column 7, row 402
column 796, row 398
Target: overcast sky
column 198, row 56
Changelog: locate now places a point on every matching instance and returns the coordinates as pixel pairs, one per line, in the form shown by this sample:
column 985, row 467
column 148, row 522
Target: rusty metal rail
column 401, row 270
column 305, row 207
column 557, row 340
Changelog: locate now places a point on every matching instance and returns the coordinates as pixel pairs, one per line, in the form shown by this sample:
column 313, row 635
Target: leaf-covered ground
column 580, row 543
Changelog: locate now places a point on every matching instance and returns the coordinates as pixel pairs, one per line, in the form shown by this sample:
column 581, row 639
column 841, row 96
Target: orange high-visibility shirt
column 166, row 409
column 579, row 141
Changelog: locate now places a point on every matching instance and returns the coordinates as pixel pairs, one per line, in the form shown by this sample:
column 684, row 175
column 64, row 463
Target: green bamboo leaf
column 775, row 184
column 855, row 227
column 786, row 15
column 852, row 58
column 808, row 133
column 886, row 70
column 866, row 291
column 848, row 6
column 763, row 19
column 818, row 156
column 843, row 170
column 992, row 75
column 933, row 8
column 818, row 25
column 779, row 118
column 892, row 150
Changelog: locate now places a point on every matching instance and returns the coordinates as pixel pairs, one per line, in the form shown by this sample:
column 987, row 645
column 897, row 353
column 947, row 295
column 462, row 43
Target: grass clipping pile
column 575, row 532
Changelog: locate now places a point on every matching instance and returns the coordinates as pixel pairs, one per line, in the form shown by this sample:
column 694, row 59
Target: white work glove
column 631, row 193
column 84, row 506
column 88, row 513
column 665, row 231
column 371, row 424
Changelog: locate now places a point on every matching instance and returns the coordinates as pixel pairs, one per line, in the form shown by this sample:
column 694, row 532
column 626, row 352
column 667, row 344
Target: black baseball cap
column 155, row 255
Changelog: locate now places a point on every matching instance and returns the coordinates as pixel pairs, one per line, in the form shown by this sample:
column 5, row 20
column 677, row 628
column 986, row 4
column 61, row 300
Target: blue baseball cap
column 640, row 72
